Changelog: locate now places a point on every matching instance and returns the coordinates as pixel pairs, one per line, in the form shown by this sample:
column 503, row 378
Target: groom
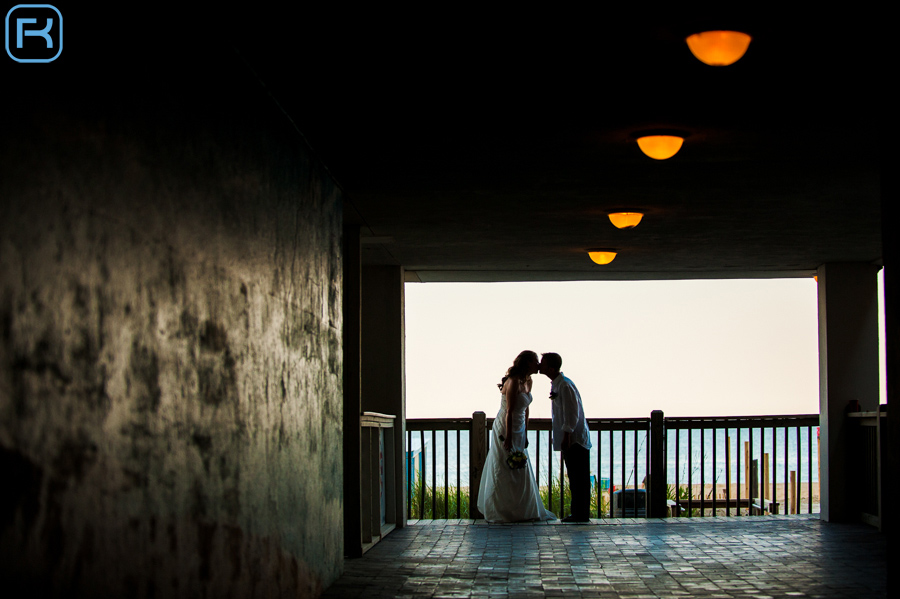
column 570, row 435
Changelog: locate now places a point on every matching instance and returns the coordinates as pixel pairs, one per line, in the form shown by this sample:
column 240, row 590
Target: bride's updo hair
column 519, row 369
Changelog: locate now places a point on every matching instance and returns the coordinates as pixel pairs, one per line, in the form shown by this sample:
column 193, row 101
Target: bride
column 508, row 491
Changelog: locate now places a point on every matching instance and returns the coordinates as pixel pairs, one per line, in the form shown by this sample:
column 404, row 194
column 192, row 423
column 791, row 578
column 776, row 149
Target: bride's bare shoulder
column 511, row 385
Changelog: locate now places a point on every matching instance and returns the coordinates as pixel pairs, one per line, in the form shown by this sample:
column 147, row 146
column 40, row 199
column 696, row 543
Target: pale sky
column 689, row 348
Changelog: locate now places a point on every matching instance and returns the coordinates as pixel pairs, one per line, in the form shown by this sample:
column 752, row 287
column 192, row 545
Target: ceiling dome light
column 718, row 48
column 602, row 255
column 660, row 147
column 625, row 220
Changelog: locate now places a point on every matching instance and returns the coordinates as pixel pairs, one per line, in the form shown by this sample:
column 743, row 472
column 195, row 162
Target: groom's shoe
column 573, row 519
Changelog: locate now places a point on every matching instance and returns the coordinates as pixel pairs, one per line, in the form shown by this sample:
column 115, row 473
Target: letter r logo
column 20, row 31
column 34, row 33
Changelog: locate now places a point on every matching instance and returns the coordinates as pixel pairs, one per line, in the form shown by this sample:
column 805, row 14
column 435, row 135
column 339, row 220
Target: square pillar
column 383, row 367
column 848, row 370
column 891, row 256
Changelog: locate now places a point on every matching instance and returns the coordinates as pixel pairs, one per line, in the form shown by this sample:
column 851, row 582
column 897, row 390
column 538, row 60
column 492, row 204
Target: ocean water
column 691, row 459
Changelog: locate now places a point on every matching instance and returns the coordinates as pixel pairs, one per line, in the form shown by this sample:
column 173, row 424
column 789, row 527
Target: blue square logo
column 34, row 33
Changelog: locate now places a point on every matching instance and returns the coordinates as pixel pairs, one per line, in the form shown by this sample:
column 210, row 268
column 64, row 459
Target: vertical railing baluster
column 715, row 475
column 799, row 474
column 691, row 472
column 647, row 488
column 762, row 467
column 702, row 472
column 409, row 475
column 750, row 470
column 624, row 480
column 787, row 499
column 599, row 478
column 809, row 468
column 433, row 473
column 422, row 477
column 612, row 471
column 737, row 452
column 772, row 475
column 458, row 485
column 634, row 465
column 727, row 474
column 677, row 480
column 774, row 497
column 446, row 475
column 599, row 474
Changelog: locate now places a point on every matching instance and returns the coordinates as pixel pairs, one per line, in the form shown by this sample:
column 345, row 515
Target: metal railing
column 777, row 467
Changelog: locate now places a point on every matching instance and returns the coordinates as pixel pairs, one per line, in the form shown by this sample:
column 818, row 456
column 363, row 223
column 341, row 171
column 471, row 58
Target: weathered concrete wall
column 170, row 349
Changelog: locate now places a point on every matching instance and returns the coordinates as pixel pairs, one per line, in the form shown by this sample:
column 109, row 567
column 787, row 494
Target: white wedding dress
column 508, row 495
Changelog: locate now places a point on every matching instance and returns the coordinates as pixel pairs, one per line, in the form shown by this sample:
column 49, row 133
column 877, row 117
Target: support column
column 891, row 256
column 477, row 457
column 848, row 370
column 656, row 502
column 352, row 391
column 384, row 366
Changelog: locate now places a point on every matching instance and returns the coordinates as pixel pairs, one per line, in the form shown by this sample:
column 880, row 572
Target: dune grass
column 443, row 503
column 440, row 505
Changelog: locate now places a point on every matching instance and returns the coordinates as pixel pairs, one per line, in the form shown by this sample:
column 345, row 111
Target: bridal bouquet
column 516, row 460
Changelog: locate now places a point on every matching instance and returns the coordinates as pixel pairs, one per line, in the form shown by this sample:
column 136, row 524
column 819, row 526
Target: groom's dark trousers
column 577, row 459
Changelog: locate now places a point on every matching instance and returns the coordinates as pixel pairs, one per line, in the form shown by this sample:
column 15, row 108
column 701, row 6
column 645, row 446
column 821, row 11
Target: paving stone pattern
column 758, row 557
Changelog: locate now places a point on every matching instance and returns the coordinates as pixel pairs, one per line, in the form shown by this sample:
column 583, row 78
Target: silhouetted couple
column 508, row 491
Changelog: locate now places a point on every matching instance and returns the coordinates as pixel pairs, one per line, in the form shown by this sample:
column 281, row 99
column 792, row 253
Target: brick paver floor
column 758, row 557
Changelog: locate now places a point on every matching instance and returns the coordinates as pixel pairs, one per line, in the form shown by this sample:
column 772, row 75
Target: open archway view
column 692, row 348
column 689, row 348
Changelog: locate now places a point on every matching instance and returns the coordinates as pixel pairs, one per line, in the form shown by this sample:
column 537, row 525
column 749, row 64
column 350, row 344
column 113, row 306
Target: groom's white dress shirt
column 568, row 413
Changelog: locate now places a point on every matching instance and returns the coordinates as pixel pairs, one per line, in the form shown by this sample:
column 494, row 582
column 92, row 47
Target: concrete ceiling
column 490, row 149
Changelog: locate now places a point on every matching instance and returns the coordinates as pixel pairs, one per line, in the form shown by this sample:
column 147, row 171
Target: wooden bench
column 682, row 505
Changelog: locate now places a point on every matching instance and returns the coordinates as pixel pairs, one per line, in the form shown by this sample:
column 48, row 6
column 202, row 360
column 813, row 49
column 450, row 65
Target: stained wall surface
column 170, row 341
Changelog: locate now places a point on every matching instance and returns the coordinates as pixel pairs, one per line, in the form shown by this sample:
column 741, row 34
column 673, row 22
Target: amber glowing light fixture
column 602, row 255
column 660, row 147
column 625, row 220
column 718, row 48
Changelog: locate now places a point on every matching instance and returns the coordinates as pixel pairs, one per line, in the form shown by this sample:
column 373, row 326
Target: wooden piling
column 793, row 508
